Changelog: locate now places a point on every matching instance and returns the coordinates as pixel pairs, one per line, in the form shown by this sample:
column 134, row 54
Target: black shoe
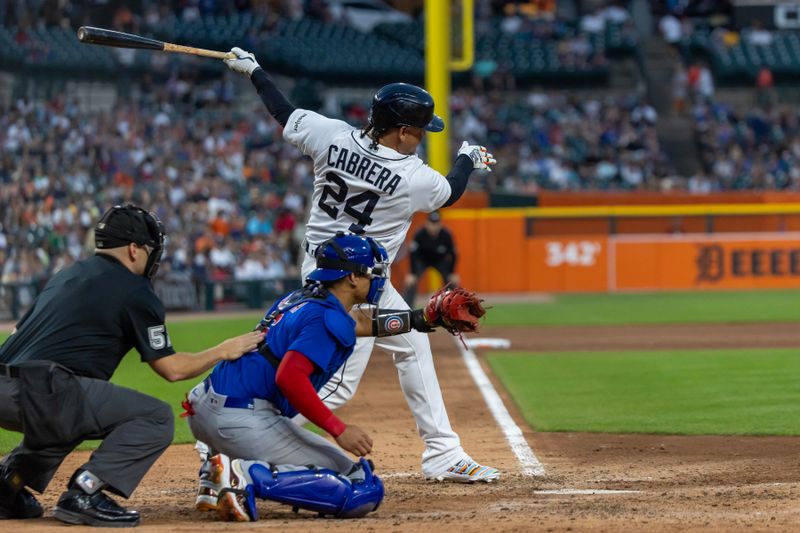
column 19, row 505
column 77, row 507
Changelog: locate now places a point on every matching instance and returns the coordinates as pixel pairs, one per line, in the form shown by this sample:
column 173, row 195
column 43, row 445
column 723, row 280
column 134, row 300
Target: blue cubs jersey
column 318, row 327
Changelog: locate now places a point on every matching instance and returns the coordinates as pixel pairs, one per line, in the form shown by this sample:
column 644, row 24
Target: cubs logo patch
column 394, row 323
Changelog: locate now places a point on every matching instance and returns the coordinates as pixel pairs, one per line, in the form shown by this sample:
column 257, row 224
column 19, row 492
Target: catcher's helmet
column 343, row 254
column 403, row 104
column 125, row 224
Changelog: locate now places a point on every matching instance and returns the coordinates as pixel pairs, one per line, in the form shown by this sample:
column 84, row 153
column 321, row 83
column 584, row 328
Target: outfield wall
column 515, row 250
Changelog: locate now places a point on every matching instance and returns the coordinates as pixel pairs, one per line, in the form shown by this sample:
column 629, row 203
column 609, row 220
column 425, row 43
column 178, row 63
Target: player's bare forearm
column 186, row 365
column 363, row 317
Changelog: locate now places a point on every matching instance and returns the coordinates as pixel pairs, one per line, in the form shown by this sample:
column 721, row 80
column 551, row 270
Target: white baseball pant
column 413, row 359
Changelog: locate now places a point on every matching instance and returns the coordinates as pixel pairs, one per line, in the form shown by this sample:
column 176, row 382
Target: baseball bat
column 102, row 36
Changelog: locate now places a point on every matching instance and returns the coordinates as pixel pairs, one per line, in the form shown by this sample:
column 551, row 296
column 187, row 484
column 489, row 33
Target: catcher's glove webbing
column 455, row 309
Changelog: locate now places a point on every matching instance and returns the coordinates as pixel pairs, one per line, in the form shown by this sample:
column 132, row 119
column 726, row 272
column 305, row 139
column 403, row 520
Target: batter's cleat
column 237, row 501
column 468, row 471
column 208, row 490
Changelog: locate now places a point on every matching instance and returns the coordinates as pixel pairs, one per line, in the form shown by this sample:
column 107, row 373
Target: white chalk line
column 530, row 465
column 589, row 492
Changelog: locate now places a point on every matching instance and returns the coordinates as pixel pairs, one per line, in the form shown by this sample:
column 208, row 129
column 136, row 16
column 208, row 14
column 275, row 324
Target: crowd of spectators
column 754, row 149
column 556, row 141
column 230, row 192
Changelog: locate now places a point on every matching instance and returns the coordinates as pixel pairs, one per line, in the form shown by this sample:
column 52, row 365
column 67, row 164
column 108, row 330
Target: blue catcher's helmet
column 403, row 104
column 343, row 254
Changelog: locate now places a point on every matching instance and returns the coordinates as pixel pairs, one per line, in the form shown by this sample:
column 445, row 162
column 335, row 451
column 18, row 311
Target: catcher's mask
column 343, row 254
column 125, row 224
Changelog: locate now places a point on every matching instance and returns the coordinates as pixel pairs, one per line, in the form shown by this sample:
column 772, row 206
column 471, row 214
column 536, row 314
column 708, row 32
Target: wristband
column 394, row 322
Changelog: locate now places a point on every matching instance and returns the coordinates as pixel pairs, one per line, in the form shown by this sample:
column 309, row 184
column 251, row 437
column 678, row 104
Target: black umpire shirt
column 87, row 318
column 429, row 250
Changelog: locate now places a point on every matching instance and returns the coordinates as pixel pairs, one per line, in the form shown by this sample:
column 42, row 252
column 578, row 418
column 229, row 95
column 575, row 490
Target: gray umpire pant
column 135, row 430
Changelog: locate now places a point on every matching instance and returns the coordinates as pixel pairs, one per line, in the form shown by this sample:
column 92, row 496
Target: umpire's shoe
column 77, row 507
column 15, row 501
column 85, row 503
column 18, row 506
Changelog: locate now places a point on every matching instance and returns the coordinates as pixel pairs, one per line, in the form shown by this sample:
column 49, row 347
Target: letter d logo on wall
column 710, row 263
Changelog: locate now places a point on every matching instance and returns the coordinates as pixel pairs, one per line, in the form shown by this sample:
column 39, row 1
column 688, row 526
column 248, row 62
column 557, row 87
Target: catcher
column 243, row 409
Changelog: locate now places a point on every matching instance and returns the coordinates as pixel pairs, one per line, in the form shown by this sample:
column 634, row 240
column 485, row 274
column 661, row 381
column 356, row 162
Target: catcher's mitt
column 455, row 309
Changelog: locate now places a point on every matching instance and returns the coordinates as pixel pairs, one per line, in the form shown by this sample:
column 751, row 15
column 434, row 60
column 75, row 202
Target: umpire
column 56, row 365
column 431, row 247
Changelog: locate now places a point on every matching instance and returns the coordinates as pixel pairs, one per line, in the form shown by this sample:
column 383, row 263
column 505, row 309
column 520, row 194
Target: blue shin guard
column 323, row 491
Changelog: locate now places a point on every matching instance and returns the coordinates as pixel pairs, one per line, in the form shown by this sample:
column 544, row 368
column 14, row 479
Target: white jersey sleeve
column 311, row 132
column 429, row 190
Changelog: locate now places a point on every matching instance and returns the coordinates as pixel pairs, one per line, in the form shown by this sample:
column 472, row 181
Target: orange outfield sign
column 567, row 264
column 507, row 254
column 597, row 263
column 732, row 261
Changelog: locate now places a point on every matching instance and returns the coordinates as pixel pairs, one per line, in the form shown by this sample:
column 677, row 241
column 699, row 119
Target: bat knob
column 81, row 33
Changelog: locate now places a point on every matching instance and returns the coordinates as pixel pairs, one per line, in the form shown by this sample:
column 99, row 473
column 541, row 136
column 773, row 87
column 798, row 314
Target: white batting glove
column 245, row 62
column 481, row 158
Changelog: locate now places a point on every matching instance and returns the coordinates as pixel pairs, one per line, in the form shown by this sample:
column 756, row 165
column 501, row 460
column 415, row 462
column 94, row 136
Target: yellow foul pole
column 438, row 65
column 437, row 78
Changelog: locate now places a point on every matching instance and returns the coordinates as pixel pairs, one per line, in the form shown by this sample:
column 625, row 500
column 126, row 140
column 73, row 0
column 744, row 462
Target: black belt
column 310, row 250
column 9, row 371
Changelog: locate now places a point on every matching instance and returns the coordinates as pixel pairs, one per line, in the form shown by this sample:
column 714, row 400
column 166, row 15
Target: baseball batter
column 371, row 180
column 244, row 408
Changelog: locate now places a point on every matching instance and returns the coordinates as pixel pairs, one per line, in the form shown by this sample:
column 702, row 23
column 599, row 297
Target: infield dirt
column 681, row 483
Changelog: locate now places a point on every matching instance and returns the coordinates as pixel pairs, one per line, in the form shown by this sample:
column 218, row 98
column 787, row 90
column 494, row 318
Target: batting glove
column 245, row 62
column 481, row 159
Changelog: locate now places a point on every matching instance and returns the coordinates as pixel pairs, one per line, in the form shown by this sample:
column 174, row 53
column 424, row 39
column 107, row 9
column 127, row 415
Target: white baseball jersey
column 354, row 185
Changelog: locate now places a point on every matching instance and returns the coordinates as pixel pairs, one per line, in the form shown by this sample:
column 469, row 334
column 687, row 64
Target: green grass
column 639, row 393
column 722, row 392
column 651, row 308
column 186, row 336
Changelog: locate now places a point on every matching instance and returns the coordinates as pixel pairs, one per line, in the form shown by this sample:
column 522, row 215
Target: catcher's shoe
column 237, row 501
column 208, row 490
column 467, row 471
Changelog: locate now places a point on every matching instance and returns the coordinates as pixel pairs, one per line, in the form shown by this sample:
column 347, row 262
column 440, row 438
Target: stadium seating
column 742, row 60
column 311, row 48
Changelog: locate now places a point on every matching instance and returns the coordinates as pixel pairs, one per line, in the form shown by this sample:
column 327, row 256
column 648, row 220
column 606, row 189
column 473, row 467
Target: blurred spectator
column 700, row 82
column 680, row 88
column 757, row 35
column 765, row 88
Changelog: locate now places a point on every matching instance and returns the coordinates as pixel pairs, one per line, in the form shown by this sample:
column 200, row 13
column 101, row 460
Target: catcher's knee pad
column 323, row 491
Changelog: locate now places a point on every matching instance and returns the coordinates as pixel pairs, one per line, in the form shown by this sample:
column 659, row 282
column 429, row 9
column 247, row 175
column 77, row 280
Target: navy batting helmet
column 403, row 104
column 343, row 254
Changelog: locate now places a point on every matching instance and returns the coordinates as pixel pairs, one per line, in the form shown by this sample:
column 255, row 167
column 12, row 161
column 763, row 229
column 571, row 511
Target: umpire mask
column 125, row 224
